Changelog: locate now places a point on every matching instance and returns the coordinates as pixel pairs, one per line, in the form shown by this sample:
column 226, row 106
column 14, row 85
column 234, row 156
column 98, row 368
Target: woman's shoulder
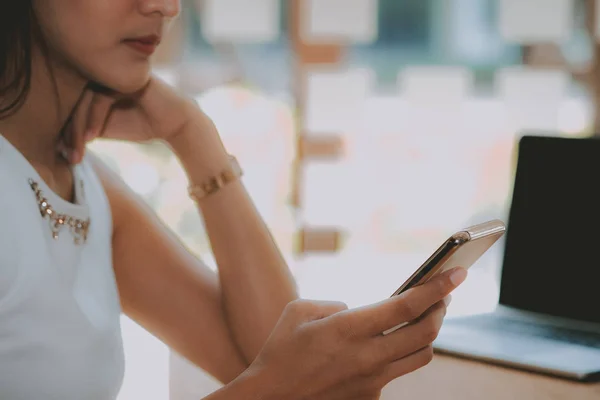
column 99, row 177
column 124, row 203
column 94, row 165
column 16, row 210
column 105, row 178
column 96, row 191
column 12, row 190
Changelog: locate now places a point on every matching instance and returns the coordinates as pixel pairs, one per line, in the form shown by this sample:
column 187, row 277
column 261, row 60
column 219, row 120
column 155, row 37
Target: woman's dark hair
column 16, row 39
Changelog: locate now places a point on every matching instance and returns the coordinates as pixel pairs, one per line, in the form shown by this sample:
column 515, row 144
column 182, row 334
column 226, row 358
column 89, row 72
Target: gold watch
column 215, row 183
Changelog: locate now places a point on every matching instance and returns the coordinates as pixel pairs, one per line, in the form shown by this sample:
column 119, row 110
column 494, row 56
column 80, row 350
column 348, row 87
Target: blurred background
column 369, row 131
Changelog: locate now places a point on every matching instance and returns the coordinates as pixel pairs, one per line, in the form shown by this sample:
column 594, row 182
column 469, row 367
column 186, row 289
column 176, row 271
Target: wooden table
column 449, row 378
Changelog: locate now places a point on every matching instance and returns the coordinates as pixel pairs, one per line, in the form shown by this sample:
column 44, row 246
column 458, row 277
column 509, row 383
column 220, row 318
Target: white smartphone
column 462, row 249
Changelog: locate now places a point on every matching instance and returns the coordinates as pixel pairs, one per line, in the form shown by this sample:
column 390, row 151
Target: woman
column 77, row 247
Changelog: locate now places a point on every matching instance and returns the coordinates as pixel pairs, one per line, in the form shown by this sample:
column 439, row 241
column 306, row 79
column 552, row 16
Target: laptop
column 548, row 317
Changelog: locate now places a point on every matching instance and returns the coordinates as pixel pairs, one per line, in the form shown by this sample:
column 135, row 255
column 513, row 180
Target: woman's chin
column 131, row 87
column 127, row 83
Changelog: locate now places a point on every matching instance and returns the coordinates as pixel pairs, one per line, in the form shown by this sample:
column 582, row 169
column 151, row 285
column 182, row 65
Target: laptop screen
column 552, row 252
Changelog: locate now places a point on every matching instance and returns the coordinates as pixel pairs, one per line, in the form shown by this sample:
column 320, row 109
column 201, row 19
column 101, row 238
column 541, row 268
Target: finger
column 447, row 300
column 374, row 319
column 409, row 339
column 405, row 366
column 74, row 141
column 315, row 310
column 99, row 111
column 62, row 147
column 324, row 309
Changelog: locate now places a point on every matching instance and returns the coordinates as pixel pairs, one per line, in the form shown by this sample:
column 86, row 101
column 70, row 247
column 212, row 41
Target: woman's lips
column 146, row 45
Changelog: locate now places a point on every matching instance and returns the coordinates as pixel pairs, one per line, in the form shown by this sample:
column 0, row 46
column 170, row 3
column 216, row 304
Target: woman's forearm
column 250, row 386
column 256, row 282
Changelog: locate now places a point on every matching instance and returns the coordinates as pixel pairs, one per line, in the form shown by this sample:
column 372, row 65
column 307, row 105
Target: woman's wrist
column 200, row 149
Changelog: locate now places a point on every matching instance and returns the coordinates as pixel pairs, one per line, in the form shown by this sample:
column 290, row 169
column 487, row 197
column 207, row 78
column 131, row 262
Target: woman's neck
column 35, row 129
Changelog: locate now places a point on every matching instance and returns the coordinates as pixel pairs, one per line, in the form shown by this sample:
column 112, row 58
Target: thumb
column 88, row 122
column 99, row 111
column 323, row 309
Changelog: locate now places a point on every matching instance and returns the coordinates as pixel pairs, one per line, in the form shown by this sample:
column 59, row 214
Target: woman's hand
column 155, row 112
column 322, row 350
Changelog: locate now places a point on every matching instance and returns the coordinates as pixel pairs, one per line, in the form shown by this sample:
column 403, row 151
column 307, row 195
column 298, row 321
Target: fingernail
column 89, row 135
column 458, row 276
column 74, row 156
column 448, row 300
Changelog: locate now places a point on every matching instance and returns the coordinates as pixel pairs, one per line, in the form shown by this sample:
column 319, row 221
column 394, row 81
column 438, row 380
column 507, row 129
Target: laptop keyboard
column 511, row 326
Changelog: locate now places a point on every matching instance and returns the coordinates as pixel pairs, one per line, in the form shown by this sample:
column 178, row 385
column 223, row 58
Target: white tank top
column 60, row 334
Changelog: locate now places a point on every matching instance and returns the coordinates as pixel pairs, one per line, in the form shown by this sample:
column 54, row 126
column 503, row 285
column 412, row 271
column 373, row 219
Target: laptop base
column 469, row 338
